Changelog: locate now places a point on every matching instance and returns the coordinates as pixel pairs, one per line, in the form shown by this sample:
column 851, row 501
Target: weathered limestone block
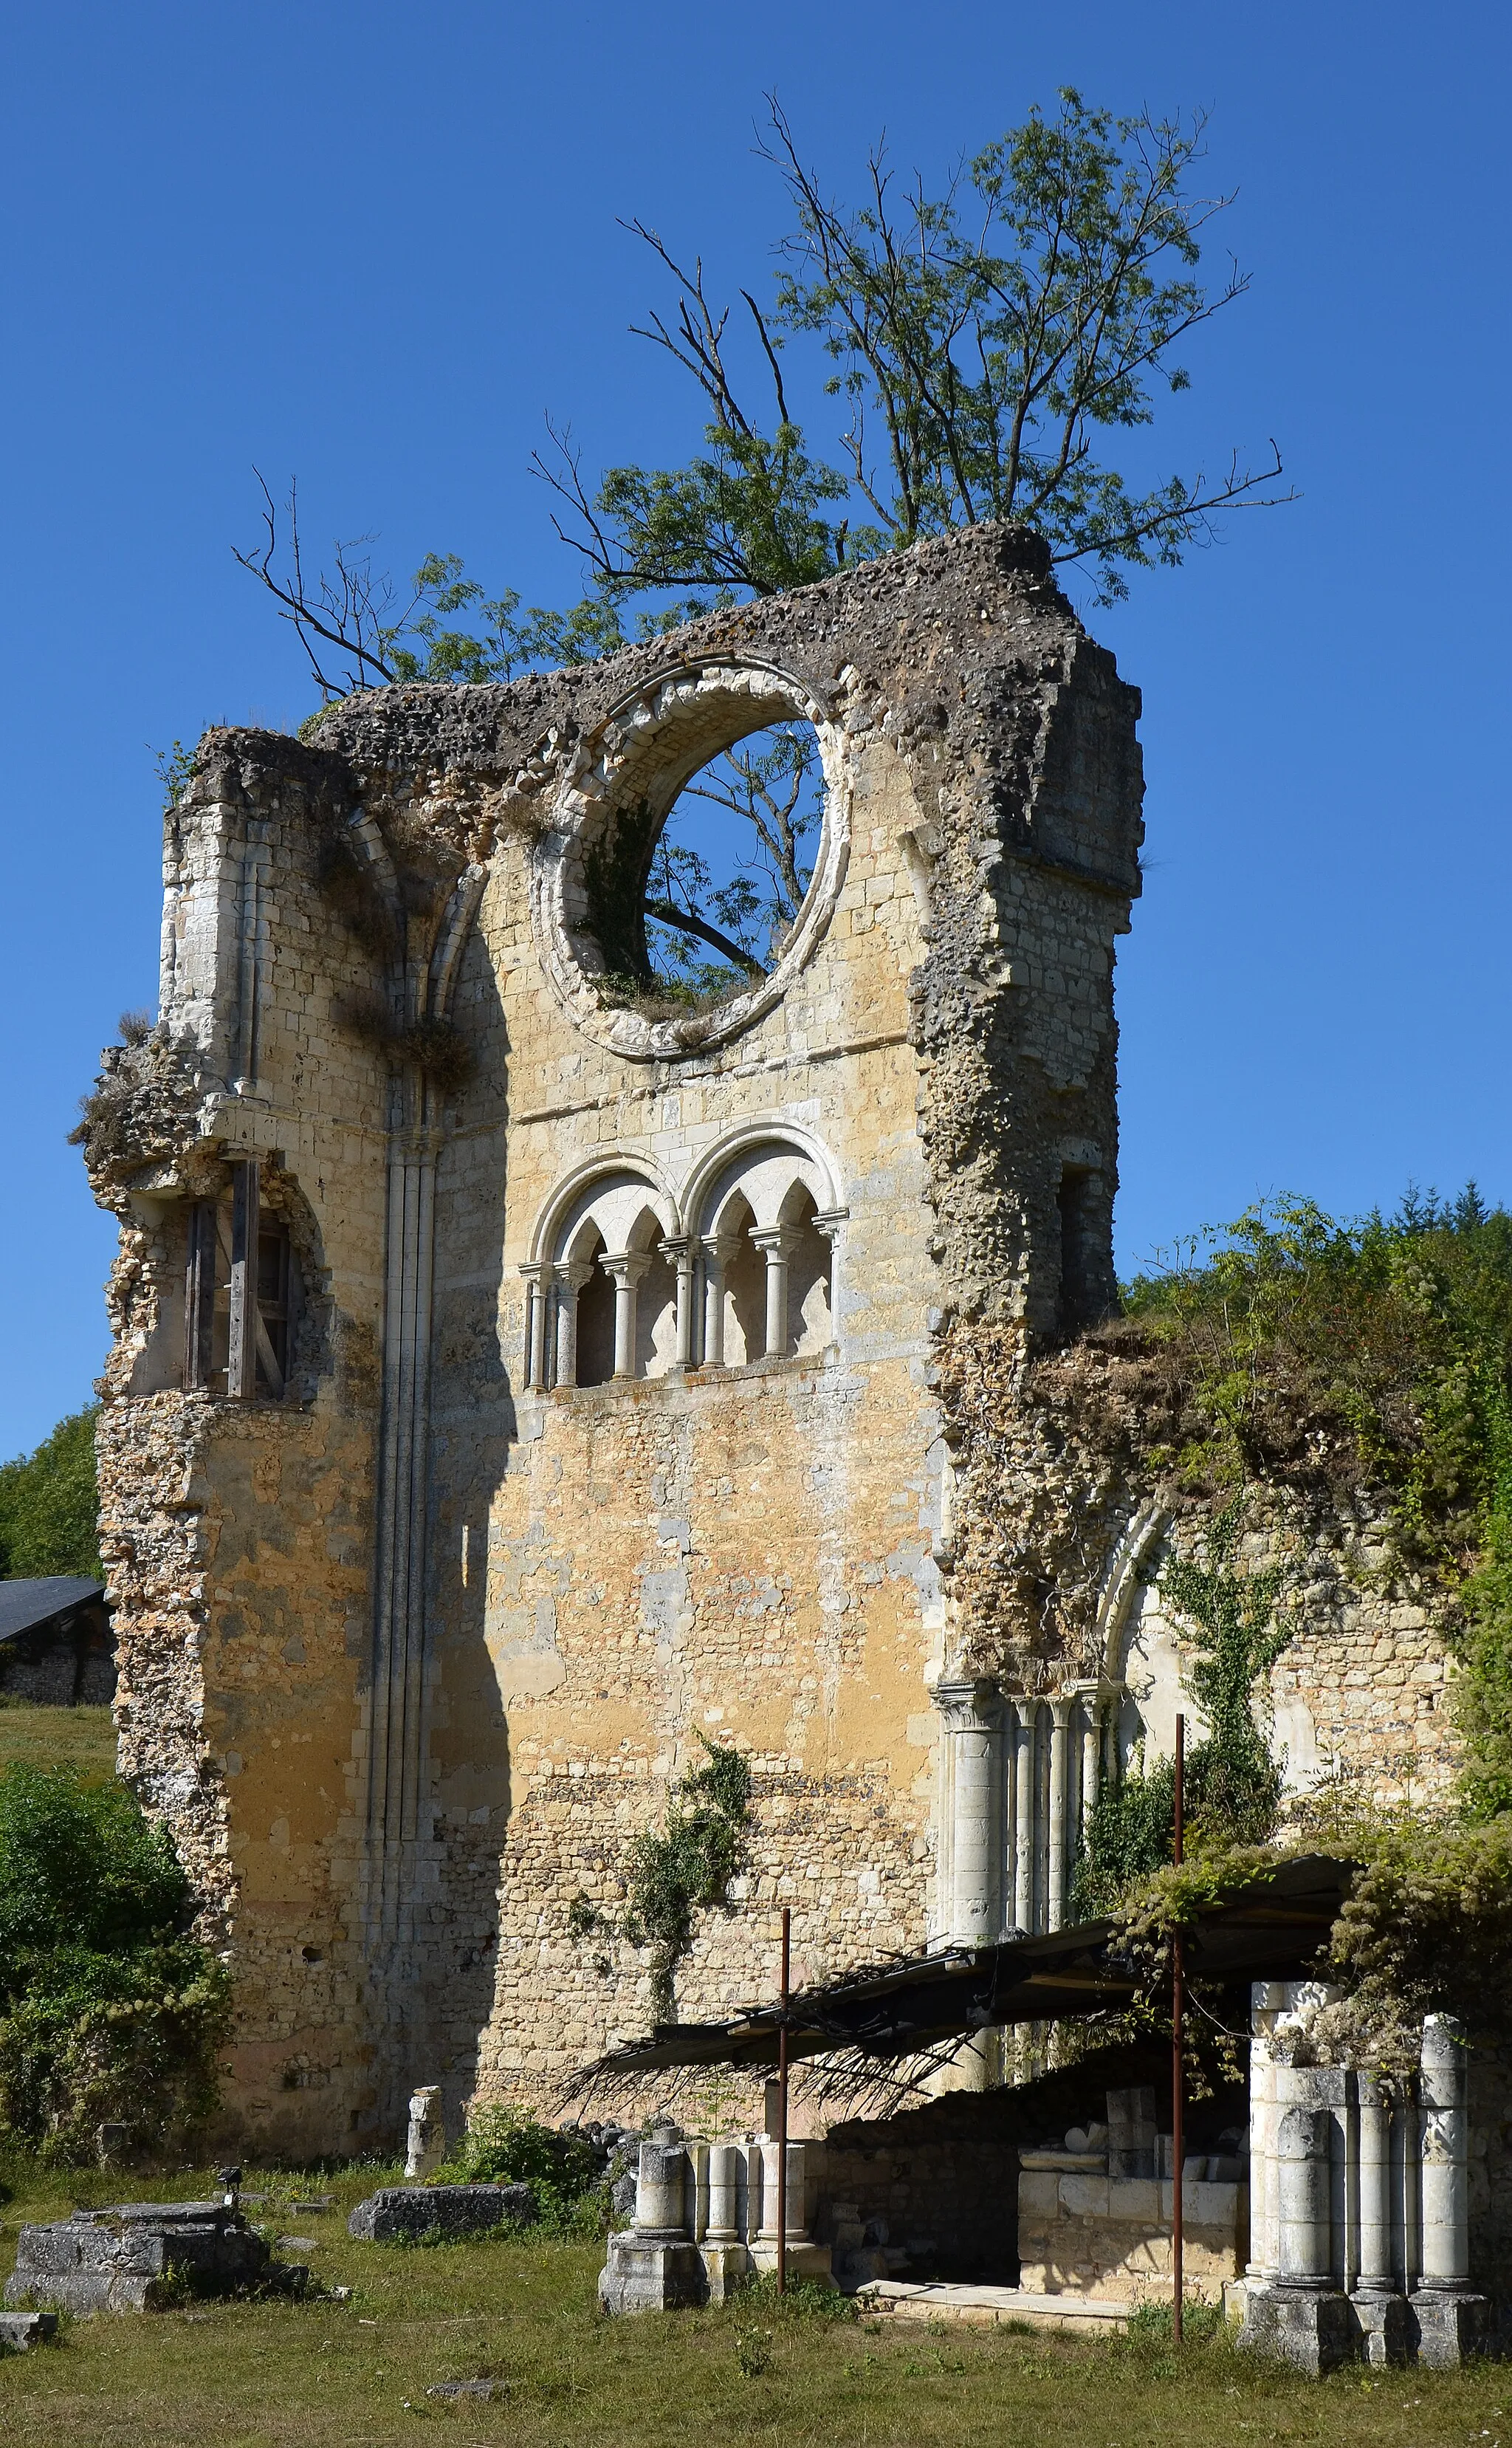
column 403, row 2213
column 142, row 2256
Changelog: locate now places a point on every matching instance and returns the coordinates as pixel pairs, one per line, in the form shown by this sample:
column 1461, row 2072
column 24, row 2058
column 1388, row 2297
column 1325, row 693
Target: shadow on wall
column 473, row 1428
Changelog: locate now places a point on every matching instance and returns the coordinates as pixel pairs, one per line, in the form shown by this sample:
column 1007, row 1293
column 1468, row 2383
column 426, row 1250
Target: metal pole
column 782, row 2105
column 1176, row 2086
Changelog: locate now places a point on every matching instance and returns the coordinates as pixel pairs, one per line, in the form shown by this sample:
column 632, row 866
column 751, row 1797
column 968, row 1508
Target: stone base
column 142, row 2256
column 401, row 2213
column 1386, row 2326
column 1450, row 2327
column 727, row 2268
column 1313, row 2330
column 805, row 2260
column 642, row 2275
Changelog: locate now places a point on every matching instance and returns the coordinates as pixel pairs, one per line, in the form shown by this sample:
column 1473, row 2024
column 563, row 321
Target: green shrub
column 49, row 1506
column 507, row 2145
column 109, row 2011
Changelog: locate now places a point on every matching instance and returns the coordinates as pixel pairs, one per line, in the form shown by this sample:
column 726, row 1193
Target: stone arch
column 622, row 781
column 765, row 1195
column 598, row 1249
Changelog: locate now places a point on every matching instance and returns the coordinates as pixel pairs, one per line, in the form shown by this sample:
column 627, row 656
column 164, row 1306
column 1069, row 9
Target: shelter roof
column 1273, row 1930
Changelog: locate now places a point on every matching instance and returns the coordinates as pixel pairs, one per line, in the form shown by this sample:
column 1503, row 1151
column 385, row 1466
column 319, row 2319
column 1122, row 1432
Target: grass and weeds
column 521, row 2314
column 80, row 1739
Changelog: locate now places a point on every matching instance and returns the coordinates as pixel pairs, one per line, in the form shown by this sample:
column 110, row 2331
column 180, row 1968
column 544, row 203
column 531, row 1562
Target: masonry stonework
column 636, row 1374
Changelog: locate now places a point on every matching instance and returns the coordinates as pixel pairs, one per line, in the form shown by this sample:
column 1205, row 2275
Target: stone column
column 972, row 1787
column 776, row 1242
column 682, row 1252
column 1444, row 2147
column 626, row 1269
column 1267, row 1998
column 797, row 2227
column 1059, row 1810
column 1377, row 2274
column 1303, row 2151
column 1091, row 1756
column 426, row 2143
column 537, row 1280
column 1025, row 1779
column 717, row 1248
column 570, row 1280
column 1453, row 2322
column 726, row 2168
column 661, row 2191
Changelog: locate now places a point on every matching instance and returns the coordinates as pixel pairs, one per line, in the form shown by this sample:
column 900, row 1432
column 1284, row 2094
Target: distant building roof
column 25, row 1604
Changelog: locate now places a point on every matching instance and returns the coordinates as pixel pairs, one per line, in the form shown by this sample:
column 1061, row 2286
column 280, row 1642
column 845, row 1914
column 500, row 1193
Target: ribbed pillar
column 396, row 1743
column 1445, row 2149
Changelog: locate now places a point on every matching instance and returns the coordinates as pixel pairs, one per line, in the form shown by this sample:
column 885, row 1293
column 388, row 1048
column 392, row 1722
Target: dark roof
column 1273, row 1930
column 23, row 1605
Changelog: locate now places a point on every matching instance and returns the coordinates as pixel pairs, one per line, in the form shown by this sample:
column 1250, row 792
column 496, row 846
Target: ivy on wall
column 687, row 1866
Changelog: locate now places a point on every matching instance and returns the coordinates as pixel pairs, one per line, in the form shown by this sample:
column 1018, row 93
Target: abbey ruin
column 514, row 1379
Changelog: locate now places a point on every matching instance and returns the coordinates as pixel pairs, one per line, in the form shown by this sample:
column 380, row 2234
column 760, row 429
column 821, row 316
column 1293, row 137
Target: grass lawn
column 81, row 1738
column 354, row 2374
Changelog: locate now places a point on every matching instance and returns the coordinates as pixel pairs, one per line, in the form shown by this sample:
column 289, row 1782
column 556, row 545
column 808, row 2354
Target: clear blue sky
column 373, row 244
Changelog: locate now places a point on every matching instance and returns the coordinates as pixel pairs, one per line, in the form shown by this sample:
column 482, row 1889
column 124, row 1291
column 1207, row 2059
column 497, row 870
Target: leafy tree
column 108, row 2008
column 49, row 1504
column 978, row 348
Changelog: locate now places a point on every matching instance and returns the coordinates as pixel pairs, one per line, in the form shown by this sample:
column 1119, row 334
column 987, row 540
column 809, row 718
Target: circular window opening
column 699, row 848
column 693, row 908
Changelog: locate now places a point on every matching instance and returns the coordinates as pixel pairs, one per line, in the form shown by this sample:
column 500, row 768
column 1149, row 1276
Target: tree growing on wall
column 973, row 352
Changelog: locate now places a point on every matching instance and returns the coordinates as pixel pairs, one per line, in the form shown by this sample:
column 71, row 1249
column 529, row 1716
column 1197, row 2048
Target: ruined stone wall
column 410, row 1656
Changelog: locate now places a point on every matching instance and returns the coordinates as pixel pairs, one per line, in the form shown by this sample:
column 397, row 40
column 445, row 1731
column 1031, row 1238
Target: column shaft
column 1445, row 2155
column 1060, row 1814
column 1025, row 1793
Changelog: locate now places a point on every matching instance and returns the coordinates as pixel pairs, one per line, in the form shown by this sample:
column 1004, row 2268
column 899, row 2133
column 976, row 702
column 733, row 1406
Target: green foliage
column 49, row 1504
column 1378, row 1352
column 689, row 1865
column 507, row 2145
column 1232, row 1789
column 174, row 768
column 1428, row 1924
column 108, row 2009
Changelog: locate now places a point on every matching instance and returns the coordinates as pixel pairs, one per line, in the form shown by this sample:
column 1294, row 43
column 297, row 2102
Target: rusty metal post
column 782, row 2104
column 1177, row 2084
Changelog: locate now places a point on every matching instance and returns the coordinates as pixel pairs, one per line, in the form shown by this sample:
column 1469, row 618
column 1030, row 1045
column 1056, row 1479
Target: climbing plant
column 688, row 1865
column 1233, row 1786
